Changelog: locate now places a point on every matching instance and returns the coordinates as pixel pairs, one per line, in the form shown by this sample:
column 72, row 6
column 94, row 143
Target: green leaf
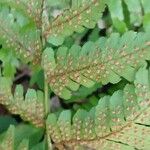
column 6, row 121
column 29, row 132
column 21, row 137
column 146, row 8
column 64, row 124
column 56, row 40
column 8, row 141
column 104, row 61
column 135, row 11
column 116, row 11
column 81, row 15
column 119, row 121
column 21, row 36
column 52, row 127
column 146, row 22
column 83, row 92
column 29, row 108
column 39, row 146
column 23, row 145
column 38, row 78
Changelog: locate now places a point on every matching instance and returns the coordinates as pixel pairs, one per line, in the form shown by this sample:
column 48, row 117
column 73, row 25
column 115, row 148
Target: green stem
column 46, row 99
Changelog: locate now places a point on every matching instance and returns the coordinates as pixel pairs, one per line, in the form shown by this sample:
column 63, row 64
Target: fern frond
column 75, row 19
column 31, row 9
column 135, row 10
column 8, row 140
column 29, row 108
column 118, row 122
column 21, row 37
column 117, row 15
column 146, row 9
column 127, row 14
column 21, row 137
column 104, row 61
column 24, row 145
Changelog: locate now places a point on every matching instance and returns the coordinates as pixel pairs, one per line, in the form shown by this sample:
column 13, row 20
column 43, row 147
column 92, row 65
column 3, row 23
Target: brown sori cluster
column 26, row 47
column 33, row 9
column 104, row 66
column 118, row 119
column 31, row 51
column 30, row 110
column 74, row 19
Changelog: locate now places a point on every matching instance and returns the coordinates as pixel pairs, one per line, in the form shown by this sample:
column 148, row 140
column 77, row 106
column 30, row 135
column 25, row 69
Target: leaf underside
column 8, row 141
column 29, row 108
column 84, row 15
column 120, row 121
column 106, row 61
column 18, row 30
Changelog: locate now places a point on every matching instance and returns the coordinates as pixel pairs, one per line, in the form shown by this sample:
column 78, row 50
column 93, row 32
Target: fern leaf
column 127, row 14
column 29, row 108
column 8, row 140
column 79, row 16
column 104, row 61
column 26, row 52
column 29, row 8
column 135, row 10
column 146, row 9
column 117, row 16
column 20, row 137
column 24, row 145
column 117, row 119
column 20, row 36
